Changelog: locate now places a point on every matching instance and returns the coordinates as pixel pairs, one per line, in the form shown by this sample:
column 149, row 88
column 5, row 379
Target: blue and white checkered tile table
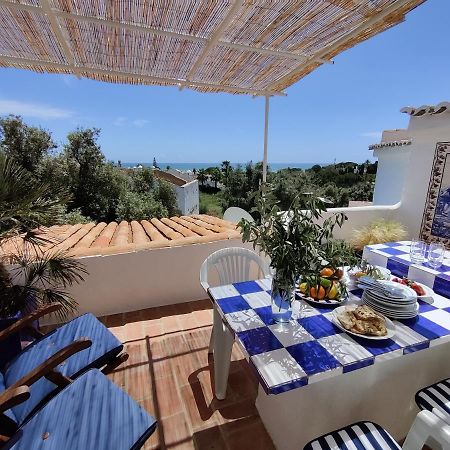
column 311, row 348
column 395, row 257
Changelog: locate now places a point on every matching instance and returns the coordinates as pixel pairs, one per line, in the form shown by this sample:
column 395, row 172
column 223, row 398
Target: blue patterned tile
column 358, row 364
column 441, row 285
column 259, row 340
column 377, row 347
column 265, row 314
column 424, row 307
column 357, row 292
column 416, row 347
column 393, row 251
column 398, row 267
column 312, row 357
column 426, row 327
column 232, row 304
column 288, row 386
column 318, row 326
column 247, row 287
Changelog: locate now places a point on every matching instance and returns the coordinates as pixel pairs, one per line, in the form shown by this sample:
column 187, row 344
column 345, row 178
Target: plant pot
column 281, row 303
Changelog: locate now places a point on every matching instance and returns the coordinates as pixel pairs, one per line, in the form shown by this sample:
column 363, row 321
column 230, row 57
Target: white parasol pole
column 266, row 136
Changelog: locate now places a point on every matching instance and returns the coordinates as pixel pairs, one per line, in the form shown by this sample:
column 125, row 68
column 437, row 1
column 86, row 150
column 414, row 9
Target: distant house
column 185, row 189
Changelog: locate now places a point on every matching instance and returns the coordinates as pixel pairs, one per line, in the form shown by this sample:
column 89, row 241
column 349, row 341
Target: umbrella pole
column 266, row 136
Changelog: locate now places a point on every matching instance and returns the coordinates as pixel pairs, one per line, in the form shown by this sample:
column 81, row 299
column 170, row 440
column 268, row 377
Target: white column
column 266, row 136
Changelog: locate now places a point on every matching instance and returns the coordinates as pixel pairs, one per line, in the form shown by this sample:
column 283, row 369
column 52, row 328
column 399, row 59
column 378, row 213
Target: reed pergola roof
column 257, row 47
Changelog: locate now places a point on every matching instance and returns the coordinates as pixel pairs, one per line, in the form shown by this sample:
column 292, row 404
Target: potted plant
column 30, row 276
column 298, row 242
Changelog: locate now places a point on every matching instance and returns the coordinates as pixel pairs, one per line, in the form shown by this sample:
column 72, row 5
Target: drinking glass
column 417, row 251
column 436, row 255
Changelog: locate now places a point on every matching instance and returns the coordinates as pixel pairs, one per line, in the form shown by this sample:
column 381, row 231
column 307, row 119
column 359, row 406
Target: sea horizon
column 190, row 166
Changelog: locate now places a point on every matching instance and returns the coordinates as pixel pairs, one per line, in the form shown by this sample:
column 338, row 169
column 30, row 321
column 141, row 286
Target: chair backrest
column 232, row 265
column 235, row 214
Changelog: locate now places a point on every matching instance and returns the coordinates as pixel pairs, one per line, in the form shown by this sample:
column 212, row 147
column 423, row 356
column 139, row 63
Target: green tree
column 201, row 176
column 165, row 194
column 24, row 144
column 135, row 206
column 226, row 169
column 216, row 176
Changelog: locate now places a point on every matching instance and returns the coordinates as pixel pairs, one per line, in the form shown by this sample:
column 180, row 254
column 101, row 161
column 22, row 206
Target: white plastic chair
column 232, row 265
column 235, row 214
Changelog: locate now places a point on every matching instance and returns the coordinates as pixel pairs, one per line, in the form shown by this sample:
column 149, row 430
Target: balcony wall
column 143, row 279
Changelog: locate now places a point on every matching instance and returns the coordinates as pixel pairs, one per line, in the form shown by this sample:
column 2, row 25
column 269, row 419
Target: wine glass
column 436, row 253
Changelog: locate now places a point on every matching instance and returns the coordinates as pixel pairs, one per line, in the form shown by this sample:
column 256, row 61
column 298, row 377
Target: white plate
column 324, row 302
column 408, row 292
column 428, row 291
column 389, row 326
column 394, row 314
column 385, row 272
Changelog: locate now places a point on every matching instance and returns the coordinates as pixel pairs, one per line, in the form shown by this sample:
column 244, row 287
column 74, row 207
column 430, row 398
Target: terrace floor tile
column 170, row 374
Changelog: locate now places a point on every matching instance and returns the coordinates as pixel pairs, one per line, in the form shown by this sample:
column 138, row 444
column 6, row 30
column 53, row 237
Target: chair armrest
column 427, row 426
column 48, row 366
column 13, row 397
column 26, row 321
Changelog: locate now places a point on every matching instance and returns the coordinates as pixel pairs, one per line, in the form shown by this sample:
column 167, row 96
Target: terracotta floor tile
column 211, row 439
column 167, row 397
column 170, row 374
column 246, row 433
column 199, row 413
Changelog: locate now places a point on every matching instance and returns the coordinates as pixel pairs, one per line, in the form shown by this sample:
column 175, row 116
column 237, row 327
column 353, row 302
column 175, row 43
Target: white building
column 188, row 201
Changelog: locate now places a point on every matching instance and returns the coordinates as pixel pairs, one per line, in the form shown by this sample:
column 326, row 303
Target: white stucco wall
column 144, row 279
column 391, row 172
column 408, row 169
column 188, row 201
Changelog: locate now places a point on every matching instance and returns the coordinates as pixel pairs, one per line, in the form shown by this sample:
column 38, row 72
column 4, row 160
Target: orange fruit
column 317, row 292
column 326, row 272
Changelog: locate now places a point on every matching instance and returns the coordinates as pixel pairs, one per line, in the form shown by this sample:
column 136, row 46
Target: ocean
column 190, row 166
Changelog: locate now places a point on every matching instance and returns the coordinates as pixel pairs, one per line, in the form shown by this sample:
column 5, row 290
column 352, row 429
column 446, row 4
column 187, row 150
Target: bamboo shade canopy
column 256, row 47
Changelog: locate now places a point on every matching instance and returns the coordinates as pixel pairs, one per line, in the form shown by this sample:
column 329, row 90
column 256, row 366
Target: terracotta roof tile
column 112, row 238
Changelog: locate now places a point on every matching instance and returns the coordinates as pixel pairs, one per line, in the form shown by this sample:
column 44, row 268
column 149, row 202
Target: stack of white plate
column 395, row 306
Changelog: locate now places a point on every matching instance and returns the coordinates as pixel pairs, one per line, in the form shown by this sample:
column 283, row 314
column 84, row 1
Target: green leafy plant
column 298, row 241
column 378, row 232
column 29, row 267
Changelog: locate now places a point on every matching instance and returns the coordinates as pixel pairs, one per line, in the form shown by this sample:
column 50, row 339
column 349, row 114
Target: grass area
column 210, row 204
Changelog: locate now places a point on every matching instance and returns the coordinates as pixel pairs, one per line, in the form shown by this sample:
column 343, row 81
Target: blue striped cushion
column 91, row 413
column 359, row 436
column 436, row 398
column 9, row 413
column 104, row 346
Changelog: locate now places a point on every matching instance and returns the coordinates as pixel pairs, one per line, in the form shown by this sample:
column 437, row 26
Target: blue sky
column 335, row 112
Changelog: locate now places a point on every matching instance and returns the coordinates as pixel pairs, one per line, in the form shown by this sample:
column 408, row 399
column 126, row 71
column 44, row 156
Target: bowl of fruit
column 328, row 288
column 370, row 270
column 421, row 290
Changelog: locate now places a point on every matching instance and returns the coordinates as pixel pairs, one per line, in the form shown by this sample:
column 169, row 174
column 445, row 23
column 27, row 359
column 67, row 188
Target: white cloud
column 372, row 134
column 140, row 122
column 33, row 110
column 120, row 121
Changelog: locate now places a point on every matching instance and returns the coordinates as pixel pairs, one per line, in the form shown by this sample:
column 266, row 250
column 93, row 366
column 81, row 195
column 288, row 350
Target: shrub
column 378, row 232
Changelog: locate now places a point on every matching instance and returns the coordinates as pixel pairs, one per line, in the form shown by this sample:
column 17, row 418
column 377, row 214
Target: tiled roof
column 401, row 143
column 427, row 109
column 104, row 239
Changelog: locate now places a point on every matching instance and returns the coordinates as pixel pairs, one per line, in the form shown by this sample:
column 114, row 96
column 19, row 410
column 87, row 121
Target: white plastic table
column 315, row 378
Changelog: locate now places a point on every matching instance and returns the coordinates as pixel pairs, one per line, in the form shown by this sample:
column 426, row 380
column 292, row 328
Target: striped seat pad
column 436, row 398
column 359, row 436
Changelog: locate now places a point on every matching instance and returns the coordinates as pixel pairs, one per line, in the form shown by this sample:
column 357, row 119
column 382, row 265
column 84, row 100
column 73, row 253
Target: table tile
column 290, row 333
column 259, row 340
column 258, row 299
column 426, row 327
column 278, row 367
column 247, row 287
column 232, row 304
column 318, row 326
column 377, row 347
column 439, row 317
column 224, row 291
column 312, row 357
column 265, row 314
column 244, row 320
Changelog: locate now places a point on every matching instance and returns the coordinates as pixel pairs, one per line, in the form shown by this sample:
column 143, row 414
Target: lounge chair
column 105, row 353
column 90, row 413
column 370, row 436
